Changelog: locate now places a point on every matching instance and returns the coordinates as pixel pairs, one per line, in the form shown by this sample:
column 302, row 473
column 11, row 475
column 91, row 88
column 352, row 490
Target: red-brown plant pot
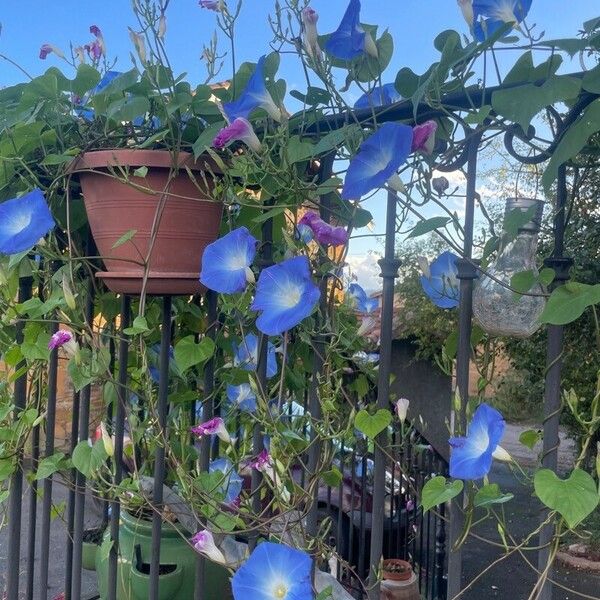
column 188, row 222
column 396, row 569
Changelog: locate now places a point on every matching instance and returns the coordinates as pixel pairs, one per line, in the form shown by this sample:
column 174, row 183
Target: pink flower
column 325, row 234
column 50, row 49
column 215, row 426
column 64, row 339
column 96, row 49
column 239, row 129
column 310, row 35
column 216, row 5
column 424, row 137
column 204, row 542
column 263, row 462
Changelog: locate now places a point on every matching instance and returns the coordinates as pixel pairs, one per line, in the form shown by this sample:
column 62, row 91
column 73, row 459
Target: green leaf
column 299, row 149
column 56, row 159
column 325, row 594
column 86, row 458
column 573, row 141
column 127, row 109
column 86, row 79
column 437, row 491
column 188, row 353
column 139, row 325
column 7, row 468
column 478, row 117
column 530, row 438
column 574, row 498
column 521, row 104
column 140, row 172
column 567, row 302
column 491, row 494
column 370, row 424
column 428, row 225
column 523, row 281
column 332, row 478
column 206, row 138
column 50, row 465
column 546, row 276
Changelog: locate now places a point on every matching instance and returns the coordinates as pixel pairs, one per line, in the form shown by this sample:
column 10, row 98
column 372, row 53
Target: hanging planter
column 147, row 220
column 177, row 569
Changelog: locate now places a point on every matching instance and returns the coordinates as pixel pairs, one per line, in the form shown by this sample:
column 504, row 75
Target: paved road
column 58, row 539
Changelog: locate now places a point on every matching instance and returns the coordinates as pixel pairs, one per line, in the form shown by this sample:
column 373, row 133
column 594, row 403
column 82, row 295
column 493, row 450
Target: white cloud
column 364, row 269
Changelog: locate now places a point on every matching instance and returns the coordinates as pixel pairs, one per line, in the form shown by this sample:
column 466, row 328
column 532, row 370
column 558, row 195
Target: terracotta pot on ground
column 189, row 221
column 399, row 581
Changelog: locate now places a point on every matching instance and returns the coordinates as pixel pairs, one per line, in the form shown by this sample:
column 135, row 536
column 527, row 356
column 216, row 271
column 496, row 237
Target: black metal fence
column 373, row 512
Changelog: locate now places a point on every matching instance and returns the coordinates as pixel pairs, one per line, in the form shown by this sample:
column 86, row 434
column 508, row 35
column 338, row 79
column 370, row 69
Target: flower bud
column 402, row 409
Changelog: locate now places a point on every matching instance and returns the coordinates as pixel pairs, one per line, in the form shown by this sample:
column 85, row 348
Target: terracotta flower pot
column 188, row 223
column 395, row 569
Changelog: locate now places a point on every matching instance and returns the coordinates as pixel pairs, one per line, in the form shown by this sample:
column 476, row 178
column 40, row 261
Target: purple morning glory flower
column 254, row 96
column 363, row 303
column 424, row 137
column 46, row 49
column 242, row 397
column 350, row 40
column 286, row 294
column 241, row 130
column 216, row 5
column 23, row 221
column 471, row 456
column 231, row 484
column 382, row 95
column 204, row 542
column 226, row 262
column 274, row 572
column 245, row 356
column 215, row 426
column 325, row 234
column 490, row 15
column 377, row 160
column 441, row 283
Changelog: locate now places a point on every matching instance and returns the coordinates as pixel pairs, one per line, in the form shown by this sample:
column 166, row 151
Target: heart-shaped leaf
column 188, row 353
column 491, row 494
column 438, row 490
column 574, row 498
column 371, row 425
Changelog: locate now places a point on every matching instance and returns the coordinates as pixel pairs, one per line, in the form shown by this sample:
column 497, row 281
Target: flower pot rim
column 397, row 576
column 134, row 157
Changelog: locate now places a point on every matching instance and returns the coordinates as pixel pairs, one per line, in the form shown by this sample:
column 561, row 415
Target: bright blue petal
column 471, row 456
column 225, row 262
column 245, row 355
column 356, row 292
column 490, row 15
column 348, row 41
column 269, row 567
column 231, row 485
column 23, row 221
column 378, row 158
column 383, row 95
column 367, row 305
column 286, row 294
column 255, row 95
column 442, row 286
column 242, row 397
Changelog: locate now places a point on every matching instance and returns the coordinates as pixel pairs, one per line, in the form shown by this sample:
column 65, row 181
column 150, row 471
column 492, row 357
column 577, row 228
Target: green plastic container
column 178, row 565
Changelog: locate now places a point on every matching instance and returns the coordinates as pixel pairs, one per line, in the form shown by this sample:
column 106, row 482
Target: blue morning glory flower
column 255, row 95
column 245, row 355
column 242, row 397
column 231, row 484
column 88, row 113
column 381, row 95
column 154, row 356
column 441, row 283
column 23, row 221
column 378, row 159
column 226, row 262
column 274, row 572
column 363, row 303
column 490, row 15
column 350, row 40
column 471, row 456
column 286, row 294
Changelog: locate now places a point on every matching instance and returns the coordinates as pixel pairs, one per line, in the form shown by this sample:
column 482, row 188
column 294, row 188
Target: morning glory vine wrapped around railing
column 269, row 329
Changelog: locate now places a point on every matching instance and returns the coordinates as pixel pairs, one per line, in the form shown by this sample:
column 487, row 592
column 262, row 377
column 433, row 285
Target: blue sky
column 26, row 24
